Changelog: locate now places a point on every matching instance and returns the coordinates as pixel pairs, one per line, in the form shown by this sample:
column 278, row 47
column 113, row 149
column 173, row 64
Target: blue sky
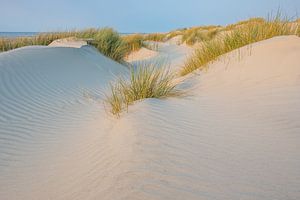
column 133, row 15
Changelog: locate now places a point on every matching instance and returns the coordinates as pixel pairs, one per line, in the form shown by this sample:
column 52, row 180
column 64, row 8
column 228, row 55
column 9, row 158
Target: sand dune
column 141, row 54
column 68, row 42
column 175, row 40
column 236, row 136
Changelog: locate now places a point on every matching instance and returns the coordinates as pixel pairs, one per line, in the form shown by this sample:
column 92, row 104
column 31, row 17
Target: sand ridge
column 69, row 42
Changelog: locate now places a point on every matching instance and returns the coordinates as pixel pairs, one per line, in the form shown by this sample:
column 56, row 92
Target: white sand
column 235, row 137
column 175, row 40
column 141, row 54
column 69, row 42
column 167, row 54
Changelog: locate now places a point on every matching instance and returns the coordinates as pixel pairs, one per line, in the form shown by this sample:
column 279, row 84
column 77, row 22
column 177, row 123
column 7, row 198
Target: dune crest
column 68, row 42
column 141, row 54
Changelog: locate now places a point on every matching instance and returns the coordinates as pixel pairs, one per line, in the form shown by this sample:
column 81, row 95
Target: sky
column 129, row 16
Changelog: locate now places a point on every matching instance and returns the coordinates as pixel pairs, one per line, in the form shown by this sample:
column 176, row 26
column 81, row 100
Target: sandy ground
column 236, row 136
column 68, row 42
column 175, row 40
column 167, row 54
column 141, row 54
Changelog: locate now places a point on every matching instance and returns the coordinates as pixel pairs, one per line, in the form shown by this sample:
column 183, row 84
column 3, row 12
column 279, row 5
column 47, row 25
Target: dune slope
column 48, row 96
column 236, row 136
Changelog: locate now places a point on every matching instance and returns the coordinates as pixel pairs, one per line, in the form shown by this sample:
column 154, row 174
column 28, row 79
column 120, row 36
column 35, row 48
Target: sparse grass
column 134, row 42
column 156, row 37
column 244, row 22
column 137, row 41
column 151, row 45
column 41, row 39
column 146, row 81
column 298, row 24
column 45, row 38
column 199, row 34
column 106, row 40
column 239, row 37
column 173, row 34
column 109, row 42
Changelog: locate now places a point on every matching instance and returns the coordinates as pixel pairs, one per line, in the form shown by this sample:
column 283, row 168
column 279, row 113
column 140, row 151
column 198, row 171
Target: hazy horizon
column 133, row 15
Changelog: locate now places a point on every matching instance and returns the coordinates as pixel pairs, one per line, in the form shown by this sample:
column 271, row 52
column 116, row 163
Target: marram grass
column 244, row 22
column 145, row 81
column 110, row 43
column 134, row 42
column 106, row 40
column 156, row 37
column 199, row 34
column 242, row 35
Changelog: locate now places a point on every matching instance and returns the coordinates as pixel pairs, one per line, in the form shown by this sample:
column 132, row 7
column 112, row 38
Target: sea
column 28, row 34
column 17, row 34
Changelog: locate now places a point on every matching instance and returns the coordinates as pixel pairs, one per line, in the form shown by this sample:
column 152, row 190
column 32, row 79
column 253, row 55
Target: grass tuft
column 244, row 22
column 134, row 42
column 156, row 37
column 146, row 81
column 109, row 42
column 199, row 34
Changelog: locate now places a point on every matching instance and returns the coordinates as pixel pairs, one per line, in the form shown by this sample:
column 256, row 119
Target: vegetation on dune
column 151, row 45
column 172, row 34
column 106, row 40
column 215, row 40
column 137, row 41
column 297, row 23
column 145, row 81
column 199, row 34
column 244, row 22
column 238, row 37
column 134, row 42
column 41, row 39
column 156, row 37
column 109, row 42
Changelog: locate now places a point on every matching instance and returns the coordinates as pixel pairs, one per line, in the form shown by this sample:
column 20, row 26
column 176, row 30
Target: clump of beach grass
column 173, row 34
column 156, row 37
column 199, row 34
column 238, row 37
column 110, row 43
column 147, row 80
column 134, row 42
column 244, row 22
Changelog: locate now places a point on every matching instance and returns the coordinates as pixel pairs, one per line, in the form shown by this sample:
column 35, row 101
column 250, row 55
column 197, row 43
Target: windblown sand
column 236, row 136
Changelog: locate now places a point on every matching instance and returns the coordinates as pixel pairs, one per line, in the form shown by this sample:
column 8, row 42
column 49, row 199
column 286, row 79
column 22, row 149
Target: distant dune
column 141, row 54
column 235, row 136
